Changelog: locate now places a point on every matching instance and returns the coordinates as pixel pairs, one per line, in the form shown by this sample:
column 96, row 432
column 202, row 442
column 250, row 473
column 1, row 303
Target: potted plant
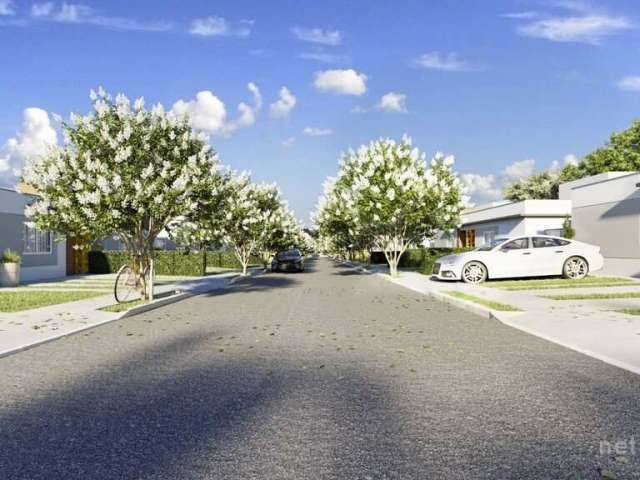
column 9, row 269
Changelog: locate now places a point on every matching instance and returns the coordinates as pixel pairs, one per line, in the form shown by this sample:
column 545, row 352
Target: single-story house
column 481, row 224
column 606, row 212
column 42, row 256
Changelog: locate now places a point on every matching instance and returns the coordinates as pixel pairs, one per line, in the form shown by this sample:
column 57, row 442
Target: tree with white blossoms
column 122, row 170
column 285, row 232
column 336, row 223
column 252, row 214
column 394, row 198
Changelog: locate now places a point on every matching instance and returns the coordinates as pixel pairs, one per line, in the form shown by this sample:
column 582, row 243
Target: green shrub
column 165, row 262
column 227, row 259
column 418, row 258
column 10, row 256
column 169, row 262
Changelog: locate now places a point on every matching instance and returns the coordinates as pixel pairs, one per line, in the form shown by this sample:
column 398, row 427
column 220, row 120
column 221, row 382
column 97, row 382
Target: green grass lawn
column 550, row 283
column 18, row 300
column 594, row 296
column 503, row 307
column 630, row 311
column 121, row 307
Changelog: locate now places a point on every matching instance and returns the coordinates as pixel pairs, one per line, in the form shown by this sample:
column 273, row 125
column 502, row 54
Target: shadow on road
column 159, row 414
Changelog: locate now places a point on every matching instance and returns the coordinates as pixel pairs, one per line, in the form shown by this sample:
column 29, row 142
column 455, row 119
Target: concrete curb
column 155, row 304
column 29, row 346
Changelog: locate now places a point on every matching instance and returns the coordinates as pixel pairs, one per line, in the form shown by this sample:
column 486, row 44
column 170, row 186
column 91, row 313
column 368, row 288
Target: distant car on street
column 526, row 256
column 289, row 261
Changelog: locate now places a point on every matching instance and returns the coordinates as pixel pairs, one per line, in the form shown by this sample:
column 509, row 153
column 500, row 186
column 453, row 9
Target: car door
column 549, row 254
column 512, row 259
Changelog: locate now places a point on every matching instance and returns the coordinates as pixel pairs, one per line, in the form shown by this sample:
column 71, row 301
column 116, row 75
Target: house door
column 77, row 259
column 467, row 238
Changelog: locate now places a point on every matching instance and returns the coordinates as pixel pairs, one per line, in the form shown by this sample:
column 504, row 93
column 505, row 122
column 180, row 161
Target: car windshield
column 491, row 245
column 289, row 254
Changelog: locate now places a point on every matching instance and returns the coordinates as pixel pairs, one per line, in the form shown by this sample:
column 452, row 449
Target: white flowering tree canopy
column 253, row 213
column 394, row 198
column 122, row 170
column 336, row 222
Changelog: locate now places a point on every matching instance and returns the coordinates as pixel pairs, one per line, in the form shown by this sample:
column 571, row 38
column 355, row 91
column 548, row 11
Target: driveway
column 327, row 374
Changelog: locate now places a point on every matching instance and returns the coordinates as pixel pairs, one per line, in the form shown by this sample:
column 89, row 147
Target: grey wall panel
column 11, row 236
column 614, row 226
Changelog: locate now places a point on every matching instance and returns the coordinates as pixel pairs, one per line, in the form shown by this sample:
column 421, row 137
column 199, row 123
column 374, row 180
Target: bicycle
column 128, row 286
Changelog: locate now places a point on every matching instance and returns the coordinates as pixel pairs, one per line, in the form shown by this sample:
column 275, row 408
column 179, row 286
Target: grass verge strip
column 121, row 307
column 629, row 311
column 546, row 283
column 594, row 296
column 503, row 307
column 16, row 301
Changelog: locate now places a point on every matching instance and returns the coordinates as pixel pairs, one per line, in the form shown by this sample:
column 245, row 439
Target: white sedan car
column 529, row 256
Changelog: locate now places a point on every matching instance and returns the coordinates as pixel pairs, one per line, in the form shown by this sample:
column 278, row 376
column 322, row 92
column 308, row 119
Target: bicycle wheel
column 126, row 286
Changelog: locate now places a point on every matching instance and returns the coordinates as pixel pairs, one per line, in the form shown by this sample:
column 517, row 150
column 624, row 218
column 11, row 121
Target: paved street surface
column 328, row 374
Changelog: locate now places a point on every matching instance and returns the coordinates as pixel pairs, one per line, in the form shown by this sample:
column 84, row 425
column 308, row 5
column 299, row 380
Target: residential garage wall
column 614, row 226
column 606, row 212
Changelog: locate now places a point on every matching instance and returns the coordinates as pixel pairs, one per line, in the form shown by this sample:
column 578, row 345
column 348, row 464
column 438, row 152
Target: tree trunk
column 393, row 266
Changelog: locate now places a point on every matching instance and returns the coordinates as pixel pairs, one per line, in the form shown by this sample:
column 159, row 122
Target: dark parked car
column 289, row 261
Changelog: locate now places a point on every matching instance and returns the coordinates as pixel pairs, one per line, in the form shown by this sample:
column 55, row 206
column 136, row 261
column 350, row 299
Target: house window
column 36, row 241
column 488, row 237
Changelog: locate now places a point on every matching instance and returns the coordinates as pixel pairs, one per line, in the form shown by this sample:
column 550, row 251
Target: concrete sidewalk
column 592, row 327
column 28, row 328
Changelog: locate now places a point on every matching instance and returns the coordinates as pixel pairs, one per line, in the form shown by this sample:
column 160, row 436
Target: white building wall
column 540, row 225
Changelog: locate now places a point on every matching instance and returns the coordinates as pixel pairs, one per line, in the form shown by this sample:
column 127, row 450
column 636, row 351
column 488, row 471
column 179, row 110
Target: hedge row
column 228, row 259
column 418, row 258
column 167, row 262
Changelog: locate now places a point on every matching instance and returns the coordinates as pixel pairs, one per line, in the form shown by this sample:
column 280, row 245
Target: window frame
column 38, row 239
column 528, row 240
column 558, row 242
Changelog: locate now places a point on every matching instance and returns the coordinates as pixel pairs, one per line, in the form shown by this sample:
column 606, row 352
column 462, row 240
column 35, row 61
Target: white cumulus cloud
column 220, row 27
column 6, row 7
column 569, row 159
column 35, row 137
column 317, row 35
column 481, row 188
column 283, row 106
column 584, row 29
column 207, row 112
column 519, row 169
column 341, row 82
column 630, row 83
column 317, row 132
column 76, row 13
column 448, row 62
column 489, row 188
column 393, row 102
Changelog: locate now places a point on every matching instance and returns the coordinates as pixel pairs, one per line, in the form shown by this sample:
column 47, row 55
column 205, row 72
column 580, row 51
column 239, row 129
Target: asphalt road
column 327, row 374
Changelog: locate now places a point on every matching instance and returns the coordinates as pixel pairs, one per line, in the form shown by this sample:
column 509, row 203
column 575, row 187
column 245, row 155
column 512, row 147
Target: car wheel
column 474, row 272
column 575, row 268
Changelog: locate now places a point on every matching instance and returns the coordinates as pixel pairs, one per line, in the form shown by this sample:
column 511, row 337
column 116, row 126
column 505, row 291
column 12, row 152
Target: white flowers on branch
column 257, row 220
column 386, row 197
column 122, row 170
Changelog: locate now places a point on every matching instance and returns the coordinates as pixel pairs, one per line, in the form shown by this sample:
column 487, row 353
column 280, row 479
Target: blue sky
column 506, row 86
